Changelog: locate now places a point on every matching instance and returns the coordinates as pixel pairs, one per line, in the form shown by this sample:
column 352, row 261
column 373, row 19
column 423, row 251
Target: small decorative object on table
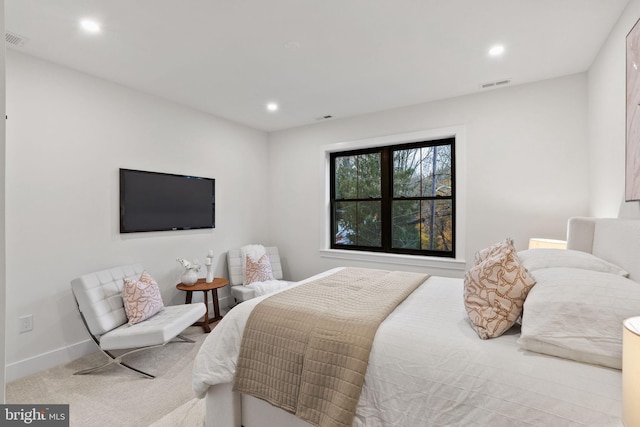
column 209, row 264
column 190, row 275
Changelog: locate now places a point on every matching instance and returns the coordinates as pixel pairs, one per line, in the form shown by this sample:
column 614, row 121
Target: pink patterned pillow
column 141, row 298
column 258, row 271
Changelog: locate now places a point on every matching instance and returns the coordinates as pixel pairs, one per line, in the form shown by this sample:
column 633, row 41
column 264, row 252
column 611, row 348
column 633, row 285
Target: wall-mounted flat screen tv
column 154, row 201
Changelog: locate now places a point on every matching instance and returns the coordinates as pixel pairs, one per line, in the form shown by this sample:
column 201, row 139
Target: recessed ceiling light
column 90, row 26
column 496, row 50
column 272, row 106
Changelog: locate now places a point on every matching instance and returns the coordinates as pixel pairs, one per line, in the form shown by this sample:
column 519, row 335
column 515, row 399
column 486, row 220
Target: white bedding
column 428, row 367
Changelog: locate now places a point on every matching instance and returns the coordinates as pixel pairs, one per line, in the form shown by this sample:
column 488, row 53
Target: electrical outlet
column 26, row 323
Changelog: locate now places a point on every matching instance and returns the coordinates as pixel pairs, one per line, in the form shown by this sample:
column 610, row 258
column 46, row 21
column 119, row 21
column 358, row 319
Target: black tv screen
column 154, row 201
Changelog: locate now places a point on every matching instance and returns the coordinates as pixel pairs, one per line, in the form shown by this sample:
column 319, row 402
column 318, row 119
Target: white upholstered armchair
column 241, row 288
column 99, row 299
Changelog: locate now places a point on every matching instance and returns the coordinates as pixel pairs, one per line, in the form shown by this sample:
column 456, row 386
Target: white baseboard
column 16, row 370
column 50, row 359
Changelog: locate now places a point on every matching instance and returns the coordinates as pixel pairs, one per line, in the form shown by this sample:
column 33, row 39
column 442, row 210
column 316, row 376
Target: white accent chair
column 236, row 277
column 99, row 299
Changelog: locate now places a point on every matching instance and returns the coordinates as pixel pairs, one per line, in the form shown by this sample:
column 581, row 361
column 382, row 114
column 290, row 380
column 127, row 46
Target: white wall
column 67, row 135
column 526, row 158
column 2, row 213
column 607, row 111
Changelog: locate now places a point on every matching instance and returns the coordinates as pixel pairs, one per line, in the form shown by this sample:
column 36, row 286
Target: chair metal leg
column 110, row 362
column 118, row 359
column 184, row 339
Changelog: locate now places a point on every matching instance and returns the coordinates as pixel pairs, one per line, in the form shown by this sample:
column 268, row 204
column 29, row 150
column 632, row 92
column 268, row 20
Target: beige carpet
column 117, row 397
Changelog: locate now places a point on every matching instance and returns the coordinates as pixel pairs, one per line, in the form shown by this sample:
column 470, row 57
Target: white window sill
column 456, row 265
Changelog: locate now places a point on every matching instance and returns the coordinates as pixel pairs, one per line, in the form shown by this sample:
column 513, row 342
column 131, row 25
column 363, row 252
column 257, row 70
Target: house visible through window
column 396, row 199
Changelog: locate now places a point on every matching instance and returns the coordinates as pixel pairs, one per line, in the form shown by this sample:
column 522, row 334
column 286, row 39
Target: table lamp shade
column 631, row 372
column 537, row 242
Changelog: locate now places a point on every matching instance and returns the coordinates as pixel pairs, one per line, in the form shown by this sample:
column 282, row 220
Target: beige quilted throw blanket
column 306, row 349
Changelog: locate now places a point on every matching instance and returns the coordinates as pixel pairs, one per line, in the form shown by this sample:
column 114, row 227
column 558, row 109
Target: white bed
column 428, row 366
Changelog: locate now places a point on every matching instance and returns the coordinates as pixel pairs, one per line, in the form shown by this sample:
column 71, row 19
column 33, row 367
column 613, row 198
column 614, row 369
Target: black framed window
column 396, row 199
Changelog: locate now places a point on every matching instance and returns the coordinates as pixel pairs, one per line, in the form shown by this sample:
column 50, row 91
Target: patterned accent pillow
column 141, row 298
column 496, row 249
column 258, row 271
column 494, row 292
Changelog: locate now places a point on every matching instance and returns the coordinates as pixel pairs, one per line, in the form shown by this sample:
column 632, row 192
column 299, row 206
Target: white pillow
column 577, row 314
column 535, row 259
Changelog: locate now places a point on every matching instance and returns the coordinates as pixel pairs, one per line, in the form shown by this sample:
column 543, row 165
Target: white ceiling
column 313, row 57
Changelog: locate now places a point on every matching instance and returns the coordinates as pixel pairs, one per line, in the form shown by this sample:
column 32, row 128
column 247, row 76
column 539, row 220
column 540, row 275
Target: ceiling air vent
column 14, row 39
column 495, row 84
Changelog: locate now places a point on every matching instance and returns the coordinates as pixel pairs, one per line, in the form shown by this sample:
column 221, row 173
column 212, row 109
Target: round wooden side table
column 203, row 286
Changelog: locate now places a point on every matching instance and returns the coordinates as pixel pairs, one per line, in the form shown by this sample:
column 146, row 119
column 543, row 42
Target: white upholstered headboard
column 234, row 263
column 614, row 240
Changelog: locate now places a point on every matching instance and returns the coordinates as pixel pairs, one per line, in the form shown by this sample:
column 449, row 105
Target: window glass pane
column 345, row 220
column 406, row 173
column 443, row 173
column 358, row 224
column 437, row 225
column 436, row 171
column 358, row 176
column 369, row 227
column 406, row 223
column 346, row 179
column 369, row 176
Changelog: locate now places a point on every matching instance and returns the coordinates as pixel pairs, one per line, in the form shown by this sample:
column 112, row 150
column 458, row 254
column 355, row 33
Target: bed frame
column 615, row 240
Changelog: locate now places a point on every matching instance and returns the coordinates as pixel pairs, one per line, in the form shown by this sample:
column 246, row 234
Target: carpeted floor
column 117, row 397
